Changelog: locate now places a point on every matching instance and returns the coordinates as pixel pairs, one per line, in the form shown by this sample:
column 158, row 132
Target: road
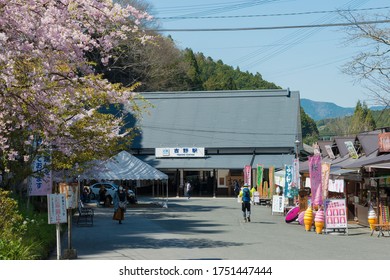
column 213, row 229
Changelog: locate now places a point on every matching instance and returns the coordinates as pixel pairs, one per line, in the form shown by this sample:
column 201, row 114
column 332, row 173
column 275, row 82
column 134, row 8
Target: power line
column 270, row 27
column 271, row 15
column 299, row 36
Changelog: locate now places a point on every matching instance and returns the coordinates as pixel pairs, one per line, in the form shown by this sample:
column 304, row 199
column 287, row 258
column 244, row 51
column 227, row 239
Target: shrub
column 24, row 235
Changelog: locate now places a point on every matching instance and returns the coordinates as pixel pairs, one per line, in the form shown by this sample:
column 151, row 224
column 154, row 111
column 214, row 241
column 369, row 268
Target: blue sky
column 308, row 59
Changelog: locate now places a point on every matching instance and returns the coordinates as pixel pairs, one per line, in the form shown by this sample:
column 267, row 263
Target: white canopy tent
column 124, row 166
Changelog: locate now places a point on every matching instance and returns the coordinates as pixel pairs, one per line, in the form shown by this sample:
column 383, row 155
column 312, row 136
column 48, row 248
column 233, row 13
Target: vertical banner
column 271, row 180
column 288, row 181
column 260, row 169
column 325, row 170
column 40, row 185
column 248, row 175
column 315, row 179
column 296, row 182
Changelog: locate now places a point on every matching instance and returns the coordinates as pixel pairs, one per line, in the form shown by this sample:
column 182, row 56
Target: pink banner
column 247, row 175
column 315, row 179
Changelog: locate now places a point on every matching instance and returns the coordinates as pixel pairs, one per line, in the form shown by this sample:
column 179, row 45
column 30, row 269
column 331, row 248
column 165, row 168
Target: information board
column 56, row 208
column 335, row 214
column 256, row 197
column 277, row 204
column 72, row 195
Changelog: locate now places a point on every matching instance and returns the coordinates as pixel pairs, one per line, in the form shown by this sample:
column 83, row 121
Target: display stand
column 335, row 216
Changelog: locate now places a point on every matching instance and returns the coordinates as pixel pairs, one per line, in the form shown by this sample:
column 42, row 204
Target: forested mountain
column 318, row 110
column 324, row 110
column 161, row 66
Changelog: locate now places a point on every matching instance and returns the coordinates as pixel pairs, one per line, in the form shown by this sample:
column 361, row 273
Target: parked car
column 110, row 189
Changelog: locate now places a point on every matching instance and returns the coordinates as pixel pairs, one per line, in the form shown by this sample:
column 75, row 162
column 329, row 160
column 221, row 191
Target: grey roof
column 221, row 119
column 369, row 160
column 384, row 165
column 322, row 145
column 219, row 161
column 340, row 141
column 369, row 141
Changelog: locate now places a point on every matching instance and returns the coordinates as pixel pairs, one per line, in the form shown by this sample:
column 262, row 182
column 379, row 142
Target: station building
column 208, row 137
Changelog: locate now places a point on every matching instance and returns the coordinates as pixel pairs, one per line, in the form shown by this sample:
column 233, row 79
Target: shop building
column 362, row 164
column 208, row 137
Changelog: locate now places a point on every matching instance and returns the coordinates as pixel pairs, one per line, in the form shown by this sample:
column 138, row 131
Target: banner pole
column 58, row 241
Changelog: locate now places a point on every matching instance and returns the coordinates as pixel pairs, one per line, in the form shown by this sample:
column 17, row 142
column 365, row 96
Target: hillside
column 324, row 110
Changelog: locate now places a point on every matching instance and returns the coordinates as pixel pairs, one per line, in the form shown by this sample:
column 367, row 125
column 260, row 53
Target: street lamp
column 297, row 142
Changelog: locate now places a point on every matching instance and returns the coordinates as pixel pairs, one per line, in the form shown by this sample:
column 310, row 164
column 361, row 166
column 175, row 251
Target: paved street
column 213, row 229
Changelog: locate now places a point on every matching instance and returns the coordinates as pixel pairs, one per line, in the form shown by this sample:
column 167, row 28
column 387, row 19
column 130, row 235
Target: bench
column 380, row 228
column 85, row 216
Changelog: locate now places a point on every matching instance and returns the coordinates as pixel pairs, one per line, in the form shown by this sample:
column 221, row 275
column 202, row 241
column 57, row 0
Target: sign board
column 179, row 152
column 256, row 197
column 277, row 204
column 384, row 142
column 329, row 151
column 351, row 149
column 72, row 194
column 56, row 205
column 335, row 214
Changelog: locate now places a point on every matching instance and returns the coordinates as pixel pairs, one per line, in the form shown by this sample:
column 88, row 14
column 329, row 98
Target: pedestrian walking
column 120, row 204
column 188, row 189
column 236, row 187
column 246, row 197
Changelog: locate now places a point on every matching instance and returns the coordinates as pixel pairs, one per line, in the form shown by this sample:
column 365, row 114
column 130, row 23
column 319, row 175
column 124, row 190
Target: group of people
column 244, row 193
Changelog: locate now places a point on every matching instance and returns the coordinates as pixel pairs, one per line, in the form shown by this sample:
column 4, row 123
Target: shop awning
column 385, row 165
column 369, row 160
column 219, row 161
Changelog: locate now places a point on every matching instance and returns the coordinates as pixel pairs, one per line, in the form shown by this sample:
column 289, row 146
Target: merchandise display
column 319, row 221
column 372, row 218
column 308, row 218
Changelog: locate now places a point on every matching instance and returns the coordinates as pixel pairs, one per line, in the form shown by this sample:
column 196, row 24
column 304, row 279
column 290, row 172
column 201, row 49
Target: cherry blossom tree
column 49, row 92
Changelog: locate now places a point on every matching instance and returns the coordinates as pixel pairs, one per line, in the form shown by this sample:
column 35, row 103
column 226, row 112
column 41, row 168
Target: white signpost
column 57, row 215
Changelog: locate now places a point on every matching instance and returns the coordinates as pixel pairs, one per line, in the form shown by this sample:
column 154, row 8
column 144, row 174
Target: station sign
column 180, row 152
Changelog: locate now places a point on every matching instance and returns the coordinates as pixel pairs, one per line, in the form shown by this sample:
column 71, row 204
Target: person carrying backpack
column 246, row 197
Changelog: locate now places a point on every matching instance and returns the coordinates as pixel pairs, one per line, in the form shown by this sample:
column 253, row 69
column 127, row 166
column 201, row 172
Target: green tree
column 193, row 72
column 309, row 129
column 362, row 119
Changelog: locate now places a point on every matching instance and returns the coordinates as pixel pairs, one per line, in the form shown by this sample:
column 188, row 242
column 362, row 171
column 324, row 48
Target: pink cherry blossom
column 46, row 82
